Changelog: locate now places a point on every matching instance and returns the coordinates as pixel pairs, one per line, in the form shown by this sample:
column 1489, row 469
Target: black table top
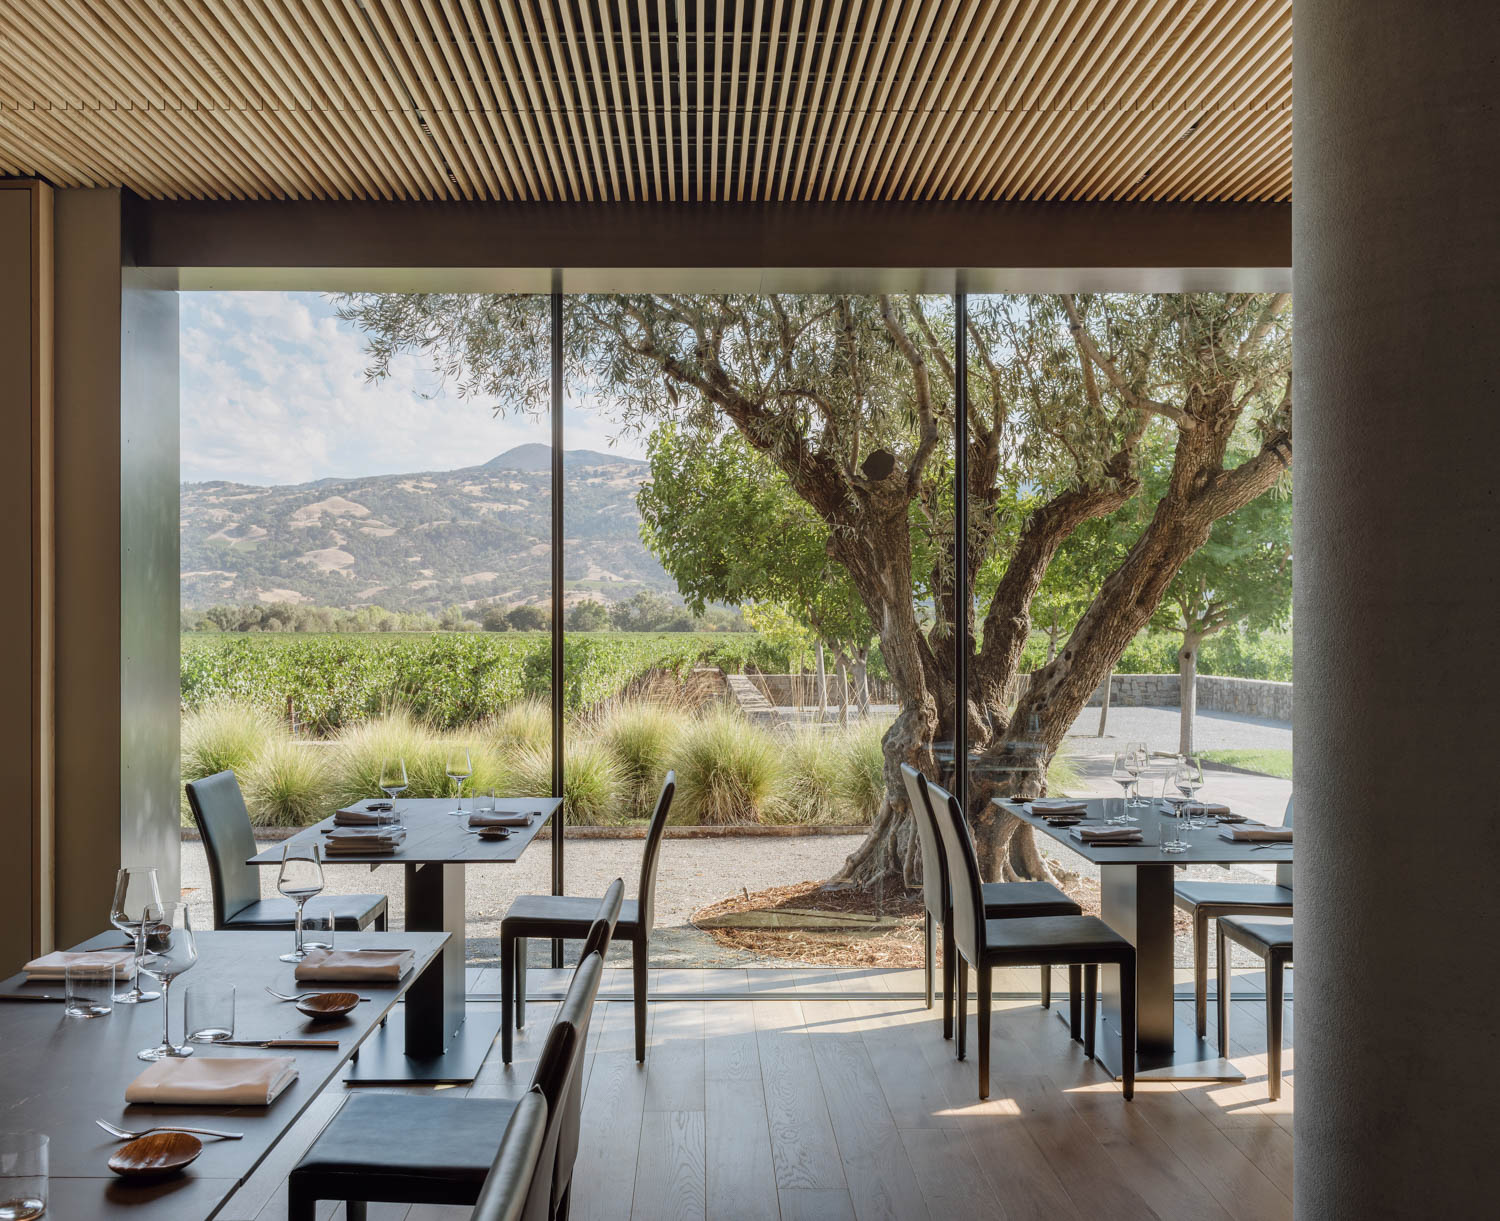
column 1156, row 824
column 434, row 836
column 59, row 1074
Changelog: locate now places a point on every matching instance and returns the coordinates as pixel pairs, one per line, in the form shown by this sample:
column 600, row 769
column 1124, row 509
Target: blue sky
column 273, row 391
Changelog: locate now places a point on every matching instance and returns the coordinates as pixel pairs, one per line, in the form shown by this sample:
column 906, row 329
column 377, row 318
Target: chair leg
column 354, row 1210
column 300, row 1206
column 950, row 971
column 1075, row 1013
column 1047, row 987
column 507, row 994
column 1225, row 985
column 640, row 957
column 1200, row 970
column 1090, row 1007
column 520, row 982
column 1127, row 1027
column 984, row 998
column 380, row 923
column 929, row 944
column 1274, row 997
column 961, row 1005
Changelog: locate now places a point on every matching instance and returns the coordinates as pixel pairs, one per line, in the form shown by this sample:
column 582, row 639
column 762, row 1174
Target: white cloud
column 273, row 391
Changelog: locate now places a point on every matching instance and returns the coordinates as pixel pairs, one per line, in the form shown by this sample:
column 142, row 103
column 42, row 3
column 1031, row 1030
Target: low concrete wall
column 1246, row 696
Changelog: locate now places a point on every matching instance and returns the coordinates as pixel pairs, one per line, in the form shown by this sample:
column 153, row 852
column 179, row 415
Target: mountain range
column 421, row 541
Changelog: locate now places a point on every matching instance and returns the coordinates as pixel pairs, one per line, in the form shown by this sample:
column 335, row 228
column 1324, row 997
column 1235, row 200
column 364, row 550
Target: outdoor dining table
column 434, row 1037
column 1135, row 888
column 60, row 1074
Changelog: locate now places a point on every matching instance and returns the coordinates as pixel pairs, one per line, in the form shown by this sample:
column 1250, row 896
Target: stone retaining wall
column 1246, row 696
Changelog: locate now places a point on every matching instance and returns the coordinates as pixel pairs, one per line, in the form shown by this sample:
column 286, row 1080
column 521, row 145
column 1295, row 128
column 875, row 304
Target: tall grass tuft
column 288, row 784
column 808, row 792
column 360, row 752
column 728, row 771
column 1062, row 773
column 641, row 735
column 522, row 725
column 594, row 786
column 223, row 736
column 861, row 775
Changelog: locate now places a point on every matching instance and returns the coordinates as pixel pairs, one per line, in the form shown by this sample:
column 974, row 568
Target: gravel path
column 1158, row 728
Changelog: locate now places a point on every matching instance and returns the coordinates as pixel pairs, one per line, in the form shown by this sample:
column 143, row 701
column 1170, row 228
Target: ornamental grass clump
column 728, row 771
column 361, row 750
column 860, row 784
column 523, row 725
column 224, row 736
column 594, row 786
column 641, row 735
column 288, row 784
column 809, row 792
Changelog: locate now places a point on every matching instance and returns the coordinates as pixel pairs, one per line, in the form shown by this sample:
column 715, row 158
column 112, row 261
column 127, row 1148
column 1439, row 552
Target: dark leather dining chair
column 1205, row 901
column 228, row 842
column 1026, row 941
column 1271, row 938
column 1002, row 900
column 567, row 917
column 432, row 1149
column 519, row 1184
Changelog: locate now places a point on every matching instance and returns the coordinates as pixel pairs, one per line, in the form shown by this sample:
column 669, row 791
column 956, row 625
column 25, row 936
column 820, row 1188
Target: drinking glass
column 88, row 991
column 1121, row 775
column 135, row 890
column 165, row 948
column 318, row 927
column 1137, row 758
column 1189, row 781
column 1175, row 801
column 459, row 768
column 208, row 1012
column 301, row 878
column 23, row 1175
column 484, row 801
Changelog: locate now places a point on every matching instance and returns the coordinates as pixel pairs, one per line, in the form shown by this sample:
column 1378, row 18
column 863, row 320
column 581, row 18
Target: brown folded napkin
column 498, row 818
column 1106, row 835
column 1057, row 805
column 1256, row 833
column 204, row 1081
column 359, row 816
column 1210, row 809
column 363, row 839
column 352, row 965
column 55, row 964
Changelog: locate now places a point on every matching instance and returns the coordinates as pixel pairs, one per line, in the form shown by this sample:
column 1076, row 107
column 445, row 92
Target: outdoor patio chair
column 567, row 917
column 228, row 841
column 1027, row 941
column 432, row 1149
column 1002, row 901
column 1271, row 938
column 1206, row 901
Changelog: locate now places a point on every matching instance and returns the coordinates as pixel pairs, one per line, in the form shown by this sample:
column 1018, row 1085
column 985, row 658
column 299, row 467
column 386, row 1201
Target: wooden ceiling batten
column 669, row 100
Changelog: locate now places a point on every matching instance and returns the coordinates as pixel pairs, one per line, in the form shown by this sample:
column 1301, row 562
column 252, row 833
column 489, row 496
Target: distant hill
column 421, row 541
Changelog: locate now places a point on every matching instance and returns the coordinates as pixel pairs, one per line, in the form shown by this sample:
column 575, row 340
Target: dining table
column 63, row 1073
column 1136, row 900
column 436, row 1037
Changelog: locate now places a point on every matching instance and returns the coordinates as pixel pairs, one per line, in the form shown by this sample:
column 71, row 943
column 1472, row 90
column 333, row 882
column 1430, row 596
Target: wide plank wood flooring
column 813, row 1108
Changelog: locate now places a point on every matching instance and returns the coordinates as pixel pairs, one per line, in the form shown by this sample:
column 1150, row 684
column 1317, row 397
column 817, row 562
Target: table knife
column 31, row 996
column 308, row 1044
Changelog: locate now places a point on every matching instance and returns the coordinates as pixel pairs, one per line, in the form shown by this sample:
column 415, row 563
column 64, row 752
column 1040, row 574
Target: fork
column 124, row 1134
column 299, row 996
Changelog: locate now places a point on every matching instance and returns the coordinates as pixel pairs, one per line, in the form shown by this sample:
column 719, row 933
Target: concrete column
column 1396, row 251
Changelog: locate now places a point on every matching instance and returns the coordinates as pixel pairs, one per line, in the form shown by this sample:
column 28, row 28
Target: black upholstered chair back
column 646, row 897
column 602, row 930
column 963, row 873
column 224, row 823
column 577, row 1007
column 934, row 870
column 1284, row 869
column 519, row 1184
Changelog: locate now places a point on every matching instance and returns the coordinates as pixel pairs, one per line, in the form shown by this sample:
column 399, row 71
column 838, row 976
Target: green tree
column 589, row 616
column 495, row 619
column 527, row 618
column 646, row 611
column 851, row 397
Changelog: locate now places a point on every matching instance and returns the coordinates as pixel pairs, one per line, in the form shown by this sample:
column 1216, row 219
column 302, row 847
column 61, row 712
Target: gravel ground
column 1158, row 728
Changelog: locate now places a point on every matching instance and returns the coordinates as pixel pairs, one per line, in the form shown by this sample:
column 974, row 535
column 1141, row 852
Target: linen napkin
column 363, row 839
column 1205, row 809
column 376, row 965
column 498, row 818
column 55, row 964
column 1256, row 833
column 1106, row 835
column 205, row 1081
column 360, row 815
column 1057, row 805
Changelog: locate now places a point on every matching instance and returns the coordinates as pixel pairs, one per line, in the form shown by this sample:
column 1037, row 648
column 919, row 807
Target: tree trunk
column 843, row 673
column 1109, row 687
column 1053, row 635
column 1187, row 677
column 822, row 683
column 862, row 681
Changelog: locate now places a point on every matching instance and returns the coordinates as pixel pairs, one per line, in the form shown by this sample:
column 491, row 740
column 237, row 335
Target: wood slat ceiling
column 652, row 99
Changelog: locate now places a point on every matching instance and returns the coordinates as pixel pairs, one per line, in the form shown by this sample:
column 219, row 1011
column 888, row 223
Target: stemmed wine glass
column 1122, row 776
column 164, row 948
column 393, row 783
column 1175, row 801
column 301, row 878
column 1189, row 779
column 459, row 768
column 135, row 890
column 1137, row 759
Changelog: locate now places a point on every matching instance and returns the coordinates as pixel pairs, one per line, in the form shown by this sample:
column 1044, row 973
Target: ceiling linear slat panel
column 603, row 101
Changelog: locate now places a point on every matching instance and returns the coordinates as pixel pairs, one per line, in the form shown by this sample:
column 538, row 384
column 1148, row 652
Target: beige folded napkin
column 359, row 816
column 1105, row 835
column 1057, row 805
column 363, row 839
column 1256, row 833
column 1211, row 809
column 55, row 964
column 352, row 965
column 498, row 818
column 205, row 1081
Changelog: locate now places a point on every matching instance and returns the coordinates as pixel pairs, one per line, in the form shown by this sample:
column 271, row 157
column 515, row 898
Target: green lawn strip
column 1276, row 763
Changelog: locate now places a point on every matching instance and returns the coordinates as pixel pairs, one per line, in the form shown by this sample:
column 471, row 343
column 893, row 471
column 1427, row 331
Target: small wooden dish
column 156, row 1155
column 494, row 832
column 329, row 1004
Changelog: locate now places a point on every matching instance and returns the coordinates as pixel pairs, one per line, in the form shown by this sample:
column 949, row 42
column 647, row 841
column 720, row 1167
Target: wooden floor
column 815, row 1108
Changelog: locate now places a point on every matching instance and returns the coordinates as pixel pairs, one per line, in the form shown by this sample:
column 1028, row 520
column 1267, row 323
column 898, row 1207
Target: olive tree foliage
column 851, row 398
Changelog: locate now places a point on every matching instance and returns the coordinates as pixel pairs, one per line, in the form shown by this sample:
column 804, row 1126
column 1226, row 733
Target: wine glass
column 1122, row 776
column 165, row 947
column 301, row 878
column 459, row 768
column 1189, row 781
column 1137, row 758
column 135, row 890
column 393, row 783
column 1174, row 801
